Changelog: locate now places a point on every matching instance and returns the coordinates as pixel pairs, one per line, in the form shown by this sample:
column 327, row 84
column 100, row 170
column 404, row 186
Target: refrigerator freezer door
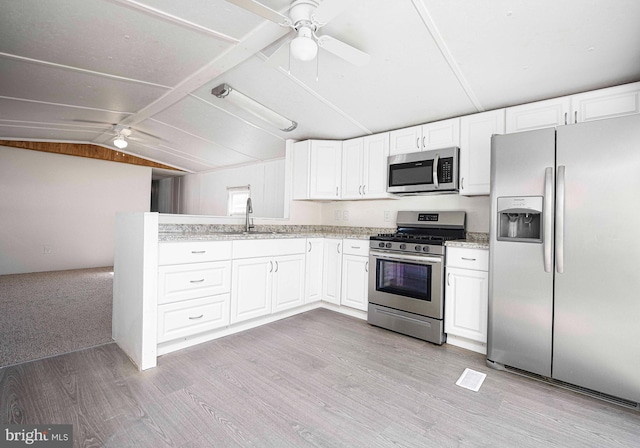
column 520, row 291
column 597, row 301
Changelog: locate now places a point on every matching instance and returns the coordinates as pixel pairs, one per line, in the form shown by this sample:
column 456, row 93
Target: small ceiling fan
column 124, row 133
column 306, row 17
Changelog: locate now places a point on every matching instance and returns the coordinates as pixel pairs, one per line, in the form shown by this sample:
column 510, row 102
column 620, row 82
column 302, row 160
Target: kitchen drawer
column 182, row 319
column 193, row 252
column 189, row 281
column 269, row 247
column 355, row 247
column 477, row 259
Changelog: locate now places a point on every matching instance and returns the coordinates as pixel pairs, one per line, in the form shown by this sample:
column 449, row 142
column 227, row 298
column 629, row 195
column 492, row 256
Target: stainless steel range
column 406, row 278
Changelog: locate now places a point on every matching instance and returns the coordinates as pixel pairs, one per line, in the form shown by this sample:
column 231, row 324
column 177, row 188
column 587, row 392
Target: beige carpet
column 50, row 313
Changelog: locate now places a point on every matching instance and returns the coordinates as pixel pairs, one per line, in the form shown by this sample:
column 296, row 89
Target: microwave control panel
column 445, row 170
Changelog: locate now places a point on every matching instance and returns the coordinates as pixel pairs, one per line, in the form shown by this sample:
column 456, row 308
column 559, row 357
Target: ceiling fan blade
column 276, row 45
column 329, row 9
column 344, row 51
column 138, row 131
column 261, row 10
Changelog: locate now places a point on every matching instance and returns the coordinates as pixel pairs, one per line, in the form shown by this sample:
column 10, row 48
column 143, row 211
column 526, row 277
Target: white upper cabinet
column 317, row 170
column 606, row 103
column 364, row 167
column 437, row 135
column 596, row 105
column 475, row 150
column 352, row 168
column 404, row 141
column 441, row 134
column 542, row 114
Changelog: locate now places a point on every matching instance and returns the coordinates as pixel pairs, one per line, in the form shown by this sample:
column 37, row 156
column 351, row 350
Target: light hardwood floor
column 316, row 379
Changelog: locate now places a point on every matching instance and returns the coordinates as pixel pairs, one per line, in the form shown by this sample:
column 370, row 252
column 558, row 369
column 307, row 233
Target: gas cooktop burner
column 412, row 238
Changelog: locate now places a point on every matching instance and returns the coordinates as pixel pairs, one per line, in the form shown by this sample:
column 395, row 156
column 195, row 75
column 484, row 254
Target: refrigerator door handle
column 547, row 212
column 560, row 203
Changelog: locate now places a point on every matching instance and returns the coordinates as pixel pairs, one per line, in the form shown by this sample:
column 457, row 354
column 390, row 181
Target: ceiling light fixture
column 225, row 91
column 119, row 141
column 304, row 47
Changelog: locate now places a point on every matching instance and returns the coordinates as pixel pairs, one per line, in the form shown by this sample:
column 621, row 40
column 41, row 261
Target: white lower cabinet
column 355, row 280
column 355, row 274
column 193, row 288
column 467, row 298
column 266, row 284
column 288, row 282
column 314, row 270
column 332, row 271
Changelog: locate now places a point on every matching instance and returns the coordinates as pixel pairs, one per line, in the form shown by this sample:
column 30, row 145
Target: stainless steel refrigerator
column 564, row 288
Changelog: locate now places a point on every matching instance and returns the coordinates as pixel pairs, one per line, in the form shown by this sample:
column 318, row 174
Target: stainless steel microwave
column 434, row 171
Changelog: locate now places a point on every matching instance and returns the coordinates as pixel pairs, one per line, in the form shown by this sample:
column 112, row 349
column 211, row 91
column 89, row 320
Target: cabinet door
column 332, row 271
column 466, row 303
column 606, row 103
column 404, row 141
column 538, row 115
column 352, row 168
column 374, row 176
column 314, row 270
column 288, row 282
column 251, row 288
column 326, row 175
column 355, row 276
column 441, row 134
column 475, row 150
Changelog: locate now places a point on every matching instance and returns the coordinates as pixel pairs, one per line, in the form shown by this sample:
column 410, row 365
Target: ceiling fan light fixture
column 225, row 91
column 120, row 142
column 304, row 47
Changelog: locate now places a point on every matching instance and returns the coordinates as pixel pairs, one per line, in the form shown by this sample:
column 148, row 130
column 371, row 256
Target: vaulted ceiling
column 72, row 69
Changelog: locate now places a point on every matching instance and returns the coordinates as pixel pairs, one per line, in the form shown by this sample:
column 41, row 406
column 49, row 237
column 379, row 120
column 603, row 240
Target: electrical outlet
column 345, row 215
column 336, row 215
column 46, row 250
column 387, row 216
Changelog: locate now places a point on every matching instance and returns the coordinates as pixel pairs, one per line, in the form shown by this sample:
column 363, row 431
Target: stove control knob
column 425, row 249
column 403, row 246
column 380, row 244
column 388, row 245
column 418, row 248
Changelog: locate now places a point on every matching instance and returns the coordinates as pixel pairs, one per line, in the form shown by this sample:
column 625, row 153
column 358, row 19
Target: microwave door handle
column 436, row 161
column 547, row 210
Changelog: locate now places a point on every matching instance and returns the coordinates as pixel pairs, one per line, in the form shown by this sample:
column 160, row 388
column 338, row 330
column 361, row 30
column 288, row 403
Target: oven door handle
column 424, row 260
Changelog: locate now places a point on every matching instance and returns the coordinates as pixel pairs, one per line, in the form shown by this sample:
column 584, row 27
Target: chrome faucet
column 249, row 209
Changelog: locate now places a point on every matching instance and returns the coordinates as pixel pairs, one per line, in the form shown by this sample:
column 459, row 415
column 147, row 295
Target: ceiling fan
column 123, row 133
column 306, row 17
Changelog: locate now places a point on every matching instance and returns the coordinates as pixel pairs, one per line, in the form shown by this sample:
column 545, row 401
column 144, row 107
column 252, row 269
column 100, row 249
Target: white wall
column 65, row 203
column 371, row 213
column 206, row 193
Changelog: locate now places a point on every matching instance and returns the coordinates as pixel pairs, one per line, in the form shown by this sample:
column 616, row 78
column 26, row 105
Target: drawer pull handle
column 197, row 281
column 355, row 247
column 197, row 317
column 468, row 259
column 198, row 251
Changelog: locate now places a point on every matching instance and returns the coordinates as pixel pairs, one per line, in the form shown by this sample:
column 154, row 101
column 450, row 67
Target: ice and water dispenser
column 520, row 219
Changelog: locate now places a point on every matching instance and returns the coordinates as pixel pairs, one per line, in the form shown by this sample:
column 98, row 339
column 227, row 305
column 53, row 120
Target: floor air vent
column 582, row 390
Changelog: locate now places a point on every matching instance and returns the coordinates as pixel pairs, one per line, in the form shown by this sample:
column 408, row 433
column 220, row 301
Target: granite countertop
column 196, row 232
column 222, row 232
column 475, row 240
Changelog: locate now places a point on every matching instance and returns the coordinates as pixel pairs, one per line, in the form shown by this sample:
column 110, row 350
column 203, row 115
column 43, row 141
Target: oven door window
column 405, row 279
column 412, row 173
